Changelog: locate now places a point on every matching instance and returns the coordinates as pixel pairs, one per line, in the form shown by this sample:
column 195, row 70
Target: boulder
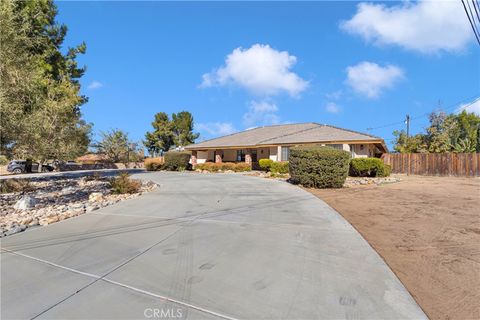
column 52, row 219
column 25, row 203
column 95, row 197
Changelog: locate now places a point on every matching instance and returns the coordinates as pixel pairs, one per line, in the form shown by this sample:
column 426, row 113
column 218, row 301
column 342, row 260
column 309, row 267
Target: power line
column 475, row 23
column 475, row 6
column 471, row 23
column 473, row 17
column 455, row 105
column 386, row 125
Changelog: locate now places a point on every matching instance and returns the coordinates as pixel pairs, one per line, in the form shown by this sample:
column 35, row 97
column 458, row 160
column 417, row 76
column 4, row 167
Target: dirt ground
column 427, row 229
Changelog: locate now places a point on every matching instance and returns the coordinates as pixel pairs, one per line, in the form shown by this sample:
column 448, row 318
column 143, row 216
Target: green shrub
column 279, row 167
column 15, row 185
column 224, row 166
column 176, row 161
column 124, row 184
column 153, row 164
column 265, row 164
column 3, row 160
column 384, row 171
column 368, row 167
column 318, row 167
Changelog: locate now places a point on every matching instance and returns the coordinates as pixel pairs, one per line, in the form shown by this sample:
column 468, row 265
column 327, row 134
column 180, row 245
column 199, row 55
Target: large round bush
column 369, row 167
column 176, row 161
column 319, row 167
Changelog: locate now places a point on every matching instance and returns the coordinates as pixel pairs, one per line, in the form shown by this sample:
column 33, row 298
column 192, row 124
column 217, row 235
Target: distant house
column 92, row 158
column 274, row 142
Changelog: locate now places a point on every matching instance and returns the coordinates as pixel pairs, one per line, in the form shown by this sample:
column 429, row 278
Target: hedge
column 384, row 171
column 153, row 164
column 318, row 167
column 224, row 166
column 176, row 161
column 265, row 164
column 279, row 167
column 369, row 167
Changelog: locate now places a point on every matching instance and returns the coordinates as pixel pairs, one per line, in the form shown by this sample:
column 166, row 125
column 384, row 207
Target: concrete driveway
column 202, row 247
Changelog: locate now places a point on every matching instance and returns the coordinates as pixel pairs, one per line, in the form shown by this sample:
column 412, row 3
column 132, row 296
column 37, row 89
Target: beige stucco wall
column 229, row 155
column 204, row 156
column 273, row 153
column 263, row 153
column 363, row 150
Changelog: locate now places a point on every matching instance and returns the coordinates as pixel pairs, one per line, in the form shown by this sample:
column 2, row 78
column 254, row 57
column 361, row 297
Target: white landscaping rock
column 55, row 200
column 25, row 203
column 95, row 197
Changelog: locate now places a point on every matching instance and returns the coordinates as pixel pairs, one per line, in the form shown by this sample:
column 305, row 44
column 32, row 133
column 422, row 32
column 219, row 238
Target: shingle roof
column 285, row 134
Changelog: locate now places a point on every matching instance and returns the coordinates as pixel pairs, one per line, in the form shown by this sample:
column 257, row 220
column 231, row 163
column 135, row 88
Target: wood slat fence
column 434, row 164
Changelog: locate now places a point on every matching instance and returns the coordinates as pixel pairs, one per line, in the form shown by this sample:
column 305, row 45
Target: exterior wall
column 229, row 155
column 202, row 156
column 263, row 153
column 279, row 153
column 273, row 153
column 363, row 150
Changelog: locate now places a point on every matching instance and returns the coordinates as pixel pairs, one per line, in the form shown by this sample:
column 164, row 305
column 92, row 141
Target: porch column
column 218, row 156
column 248, row 156
column 193, row 158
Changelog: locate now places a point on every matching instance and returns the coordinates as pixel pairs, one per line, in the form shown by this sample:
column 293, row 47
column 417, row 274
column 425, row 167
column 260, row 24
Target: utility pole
column 407, row 122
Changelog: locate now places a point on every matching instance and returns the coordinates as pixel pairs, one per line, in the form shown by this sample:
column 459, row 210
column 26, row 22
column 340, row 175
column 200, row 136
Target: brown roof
column 92, row 157
column 287, row 134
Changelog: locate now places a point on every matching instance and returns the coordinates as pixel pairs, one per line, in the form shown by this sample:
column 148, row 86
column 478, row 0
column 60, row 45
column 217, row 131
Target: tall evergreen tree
column 183, row 128
column 161, row 138
column 39, row 88
column 168, row 132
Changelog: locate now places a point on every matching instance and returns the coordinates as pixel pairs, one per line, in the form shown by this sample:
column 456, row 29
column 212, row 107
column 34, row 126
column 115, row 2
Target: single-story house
column 273, row 142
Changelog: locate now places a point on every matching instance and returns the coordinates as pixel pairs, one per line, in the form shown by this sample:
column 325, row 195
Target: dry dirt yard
column 427, row 229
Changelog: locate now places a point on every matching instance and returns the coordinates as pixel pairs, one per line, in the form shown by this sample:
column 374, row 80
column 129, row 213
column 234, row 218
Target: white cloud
column 370, row 79
column 473, row 106
column 216, row 128
column 332, row 107
column 261, row 113
column 424, row 26
column 95, row 85
column 259, row 69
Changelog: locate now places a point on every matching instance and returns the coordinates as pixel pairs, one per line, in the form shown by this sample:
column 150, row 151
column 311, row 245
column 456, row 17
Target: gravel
column 51, row 201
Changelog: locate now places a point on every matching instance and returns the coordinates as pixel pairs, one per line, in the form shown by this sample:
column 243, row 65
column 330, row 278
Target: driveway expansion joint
column 123, row 285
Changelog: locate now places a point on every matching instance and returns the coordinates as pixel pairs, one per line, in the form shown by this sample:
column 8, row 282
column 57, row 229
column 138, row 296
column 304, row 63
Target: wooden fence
column 434, row 164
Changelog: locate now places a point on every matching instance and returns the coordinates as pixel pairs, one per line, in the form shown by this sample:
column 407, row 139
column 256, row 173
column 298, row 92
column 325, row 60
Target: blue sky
column 240, row 65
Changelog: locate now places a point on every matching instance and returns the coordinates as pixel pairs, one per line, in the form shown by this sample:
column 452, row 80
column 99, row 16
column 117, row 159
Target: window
column 336, row 146
column 285, row 153
column 240, row 156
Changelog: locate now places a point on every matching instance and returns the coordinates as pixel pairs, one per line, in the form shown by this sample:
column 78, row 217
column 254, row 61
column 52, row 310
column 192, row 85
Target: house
column 273, row 142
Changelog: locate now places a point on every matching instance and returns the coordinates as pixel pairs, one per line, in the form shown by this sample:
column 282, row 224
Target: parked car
column 20, row 166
